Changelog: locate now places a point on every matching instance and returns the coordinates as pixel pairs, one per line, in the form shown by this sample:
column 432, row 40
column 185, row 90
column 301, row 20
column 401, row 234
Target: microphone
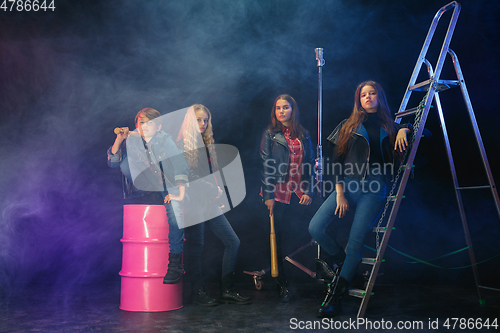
column 319, row 56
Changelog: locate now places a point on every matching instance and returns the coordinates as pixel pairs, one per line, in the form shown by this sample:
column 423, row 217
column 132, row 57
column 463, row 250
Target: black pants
column 290, row 224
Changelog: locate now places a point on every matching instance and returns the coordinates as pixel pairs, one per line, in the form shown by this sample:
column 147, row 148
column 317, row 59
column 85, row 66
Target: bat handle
column 119, row 130
column 274, row 252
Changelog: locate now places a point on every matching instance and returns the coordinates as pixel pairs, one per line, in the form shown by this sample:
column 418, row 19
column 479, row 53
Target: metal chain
column 416, row 125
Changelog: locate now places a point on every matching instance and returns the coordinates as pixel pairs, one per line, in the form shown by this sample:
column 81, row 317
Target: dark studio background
column 68, row 77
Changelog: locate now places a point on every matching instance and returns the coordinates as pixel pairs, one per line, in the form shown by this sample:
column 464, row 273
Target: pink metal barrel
column 145, row 260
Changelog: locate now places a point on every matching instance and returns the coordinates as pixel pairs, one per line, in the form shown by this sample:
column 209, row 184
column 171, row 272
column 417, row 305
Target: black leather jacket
column 274, row 157
column 355, row 161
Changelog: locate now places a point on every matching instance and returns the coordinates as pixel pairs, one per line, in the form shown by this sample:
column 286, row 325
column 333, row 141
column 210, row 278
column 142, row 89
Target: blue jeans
column 175, row 217
column 174, row 213
column 195, row 239
column 223, row 230
column 367, row 197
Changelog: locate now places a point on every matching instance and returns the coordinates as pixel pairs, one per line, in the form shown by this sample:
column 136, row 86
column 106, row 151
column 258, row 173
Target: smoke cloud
column 68, row 77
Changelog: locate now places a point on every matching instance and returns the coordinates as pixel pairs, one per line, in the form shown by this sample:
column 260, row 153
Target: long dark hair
column 296, row 129
column 358, row 115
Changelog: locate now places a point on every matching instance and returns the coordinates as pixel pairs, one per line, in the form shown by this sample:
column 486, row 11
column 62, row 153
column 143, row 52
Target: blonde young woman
column 196, row 131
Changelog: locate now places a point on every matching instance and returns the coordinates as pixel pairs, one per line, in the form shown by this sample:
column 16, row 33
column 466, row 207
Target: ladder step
column 441, row 85
column 408, row 112
column 358, row 293
column 381, row 229
column 473, row 187
column 370, row 261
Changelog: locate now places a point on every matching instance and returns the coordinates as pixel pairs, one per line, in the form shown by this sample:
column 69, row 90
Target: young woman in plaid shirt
column 287, row 166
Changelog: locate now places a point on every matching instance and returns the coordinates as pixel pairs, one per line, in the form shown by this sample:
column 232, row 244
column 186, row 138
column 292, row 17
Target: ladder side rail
column 395, row 207
column 444, row 129
column 425, row 48
column 458, row 195
column 446, row 43
column 418, row 65
column 479, row 140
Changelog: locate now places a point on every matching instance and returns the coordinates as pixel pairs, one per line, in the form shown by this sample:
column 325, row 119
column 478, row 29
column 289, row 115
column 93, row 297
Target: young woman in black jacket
column 196, row 140
column 287, row 163
column 367, row 145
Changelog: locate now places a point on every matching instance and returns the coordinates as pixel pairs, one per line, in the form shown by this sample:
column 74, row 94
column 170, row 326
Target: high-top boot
column 337, row 268
column 228, row 294
column 201, row 297
column 175, row 269
column 332, row 305
column 326, row 271
column 283, row 292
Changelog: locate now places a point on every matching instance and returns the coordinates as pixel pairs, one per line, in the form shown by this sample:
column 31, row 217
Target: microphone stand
column 319, row 151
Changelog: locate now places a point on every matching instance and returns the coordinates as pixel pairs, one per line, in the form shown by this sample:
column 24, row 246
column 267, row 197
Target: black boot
column 283, row 292
column 338, row 259
column 332, row 305
column 201, row 297
column 228, row 294
column 325, row 273
column 175, row 269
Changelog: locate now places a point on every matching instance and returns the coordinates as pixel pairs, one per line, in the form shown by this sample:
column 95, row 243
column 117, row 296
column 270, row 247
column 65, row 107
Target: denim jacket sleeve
column 114, row 160
column 177, row 160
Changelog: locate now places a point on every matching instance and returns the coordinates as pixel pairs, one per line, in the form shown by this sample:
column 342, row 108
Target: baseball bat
column 119, row 130
column 122, row 130
column 274, row 253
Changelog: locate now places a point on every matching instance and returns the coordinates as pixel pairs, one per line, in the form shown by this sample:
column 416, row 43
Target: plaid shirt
column 293, row 179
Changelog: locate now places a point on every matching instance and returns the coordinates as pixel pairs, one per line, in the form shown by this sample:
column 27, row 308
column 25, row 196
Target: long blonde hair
column 189, row 134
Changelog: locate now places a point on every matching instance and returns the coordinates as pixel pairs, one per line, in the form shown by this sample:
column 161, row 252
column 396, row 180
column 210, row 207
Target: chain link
column 416, row 125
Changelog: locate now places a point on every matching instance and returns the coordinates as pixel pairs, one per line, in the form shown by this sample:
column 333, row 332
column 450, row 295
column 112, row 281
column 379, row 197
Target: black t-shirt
column 372, row 126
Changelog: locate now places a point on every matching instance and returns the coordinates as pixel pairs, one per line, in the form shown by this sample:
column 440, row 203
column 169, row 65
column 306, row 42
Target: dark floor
column 96, row 309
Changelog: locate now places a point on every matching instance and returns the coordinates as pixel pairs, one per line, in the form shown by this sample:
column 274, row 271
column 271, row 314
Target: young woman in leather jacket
column 196, row 140
column 366, row 146
column 287, row 163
